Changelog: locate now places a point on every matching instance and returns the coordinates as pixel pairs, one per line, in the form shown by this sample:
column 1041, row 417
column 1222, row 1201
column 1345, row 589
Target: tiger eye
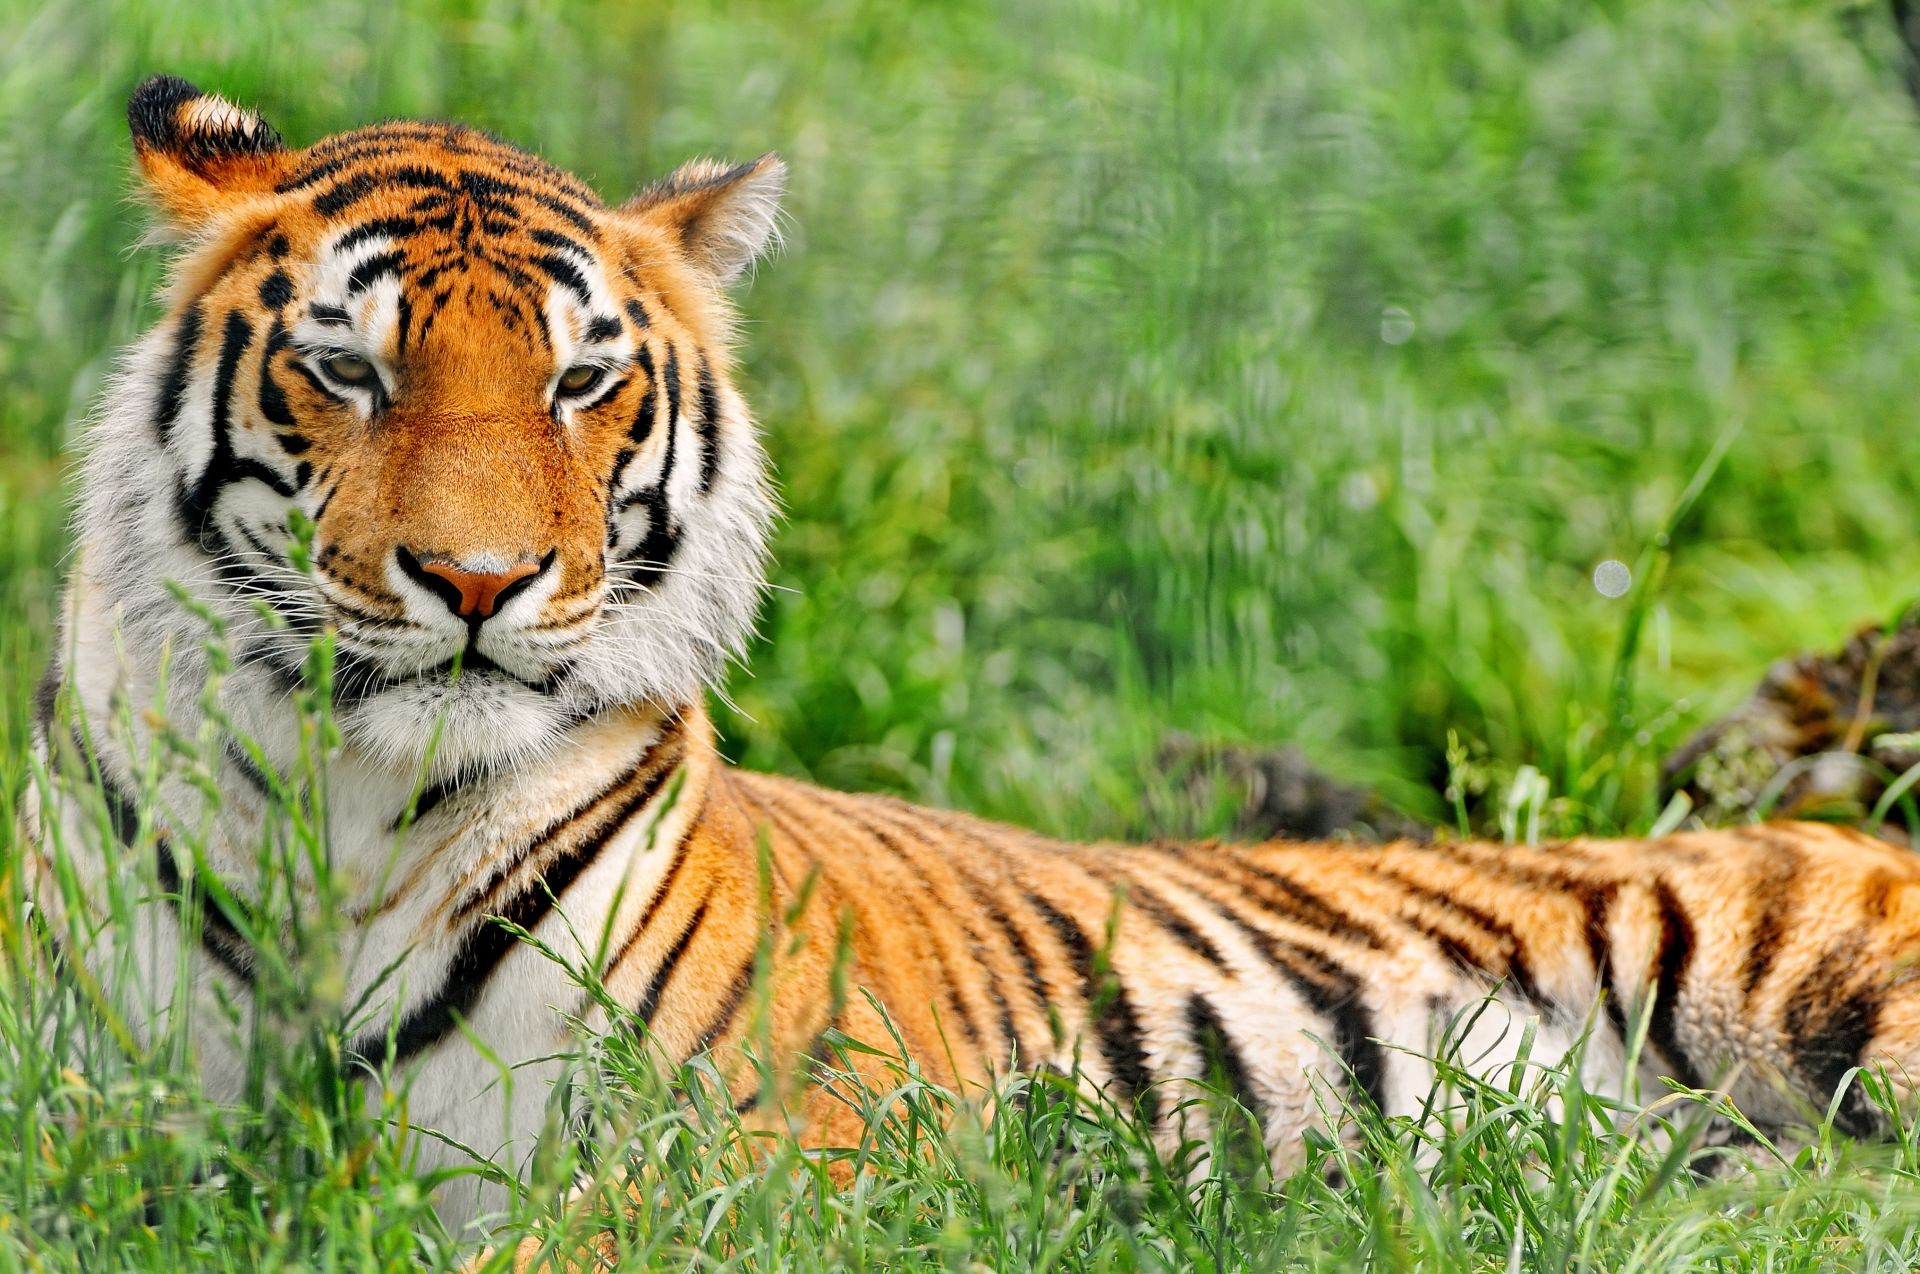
column 575, row 379
column 348, row 369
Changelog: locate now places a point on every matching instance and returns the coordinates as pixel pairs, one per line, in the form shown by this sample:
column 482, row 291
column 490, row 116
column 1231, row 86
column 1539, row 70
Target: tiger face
column 426, row 391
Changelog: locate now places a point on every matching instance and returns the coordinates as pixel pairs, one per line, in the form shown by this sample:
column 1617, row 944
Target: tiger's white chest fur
column 384, row 918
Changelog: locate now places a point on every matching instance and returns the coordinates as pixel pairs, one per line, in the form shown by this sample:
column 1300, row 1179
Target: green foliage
column 1267, row 371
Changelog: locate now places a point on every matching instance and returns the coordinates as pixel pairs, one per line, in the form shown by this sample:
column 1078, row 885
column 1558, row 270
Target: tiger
column 422, row 395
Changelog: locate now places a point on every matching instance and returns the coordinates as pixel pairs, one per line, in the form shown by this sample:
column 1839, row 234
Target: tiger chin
column 423, row 398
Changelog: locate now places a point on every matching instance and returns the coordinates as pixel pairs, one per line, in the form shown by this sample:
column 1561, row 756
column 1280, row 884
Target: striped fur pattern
column 373, row 336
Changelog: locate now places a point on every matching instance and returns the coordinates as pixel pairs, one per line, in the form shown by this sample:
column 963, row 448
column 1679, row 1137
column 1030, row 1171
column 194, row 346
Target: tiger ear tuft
column 200, row 154
column 724, row 217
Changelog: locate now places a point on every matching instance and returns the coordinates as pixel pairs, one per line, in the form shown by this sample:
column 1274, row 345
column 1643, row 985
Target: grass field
column 1264, row 371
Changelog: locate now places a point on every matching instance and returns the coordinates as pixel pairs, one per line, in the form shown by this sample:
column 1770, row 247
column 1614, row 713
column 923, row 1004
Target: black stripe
column 372, row 270
column 510, row 270
column 516, row 311
column 173, row 387
column 414, row 177
column 1595, row 897
column 649, row 409
column 554, row 239
column 1596, row 904
column 236, row 574
column 649, row 1002
column 603, row 328
column 224, row 468
column 332, row 315
column 347, row 193
column 313, row 174
column 392, row 227
column 435, row 306
column 250, row 536
column 218, row 937
column 566, row 274
column 1298, row 902
column 344, row 194
column 122, row 816
column 1143, row 899
column 1515, row 965
column 1675, row 958
column 245, row 467
column 46, row 704
column 945, row 978
column 667, row 753
column 1360, row 1053
column 708, row 427
column 569, row 211
column 256, row 779
column 1009, row 1032
column 638, row 313
column 621, row 460
column 276, row 290
column 1224, row 1067
column 729, row 1007
column 921, row 922
column 251, row 586
column 487, row 942
column 196, row 504
column 673, row 408
column 490, row 193
column 984, row 898
column 425, row 280
column 681, row 853
column 1022, row 952
column 1773, row 902
column 430, row 798
column 1828, row 1036
column 356, row 611
column 321, row 509
column 273, row 401
column 1110, row 1007
column 650, row 558
column 1330, row 989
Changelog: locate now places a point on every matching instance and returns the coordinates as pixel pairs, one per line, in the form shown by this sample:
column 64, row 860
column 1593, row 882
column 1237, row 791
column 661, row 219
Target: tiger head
column 422, row 389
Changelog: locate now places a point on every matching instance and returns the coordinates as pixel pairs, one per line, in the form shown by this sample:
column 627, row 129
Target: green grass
column 1089, row 373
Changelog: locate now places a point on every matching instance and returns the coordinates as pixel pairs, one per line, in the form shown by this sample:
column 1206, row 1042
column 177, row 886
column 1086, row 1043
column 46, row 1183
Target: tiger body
column 382, row 338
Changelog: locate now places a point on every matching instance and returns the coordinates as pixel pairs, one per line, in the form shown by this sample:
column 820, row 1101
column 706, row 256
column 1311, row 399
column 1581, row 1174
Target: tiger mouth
column 358, row 678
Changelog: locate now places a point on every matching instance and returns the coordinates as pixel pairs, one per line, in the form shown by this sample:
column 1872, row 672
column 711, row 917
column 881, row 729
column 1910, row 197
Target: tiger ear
column 200, row 154
column 723, row 217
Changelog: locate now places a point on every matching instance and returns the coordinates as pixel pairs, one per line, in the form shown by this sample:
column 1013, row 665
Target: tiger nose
column 470, row 593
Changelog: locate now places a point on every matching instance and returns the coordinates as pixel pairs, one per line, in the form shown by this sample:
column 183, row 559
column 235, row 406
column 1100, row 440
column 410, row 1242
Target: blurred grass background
column 1264, row 371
